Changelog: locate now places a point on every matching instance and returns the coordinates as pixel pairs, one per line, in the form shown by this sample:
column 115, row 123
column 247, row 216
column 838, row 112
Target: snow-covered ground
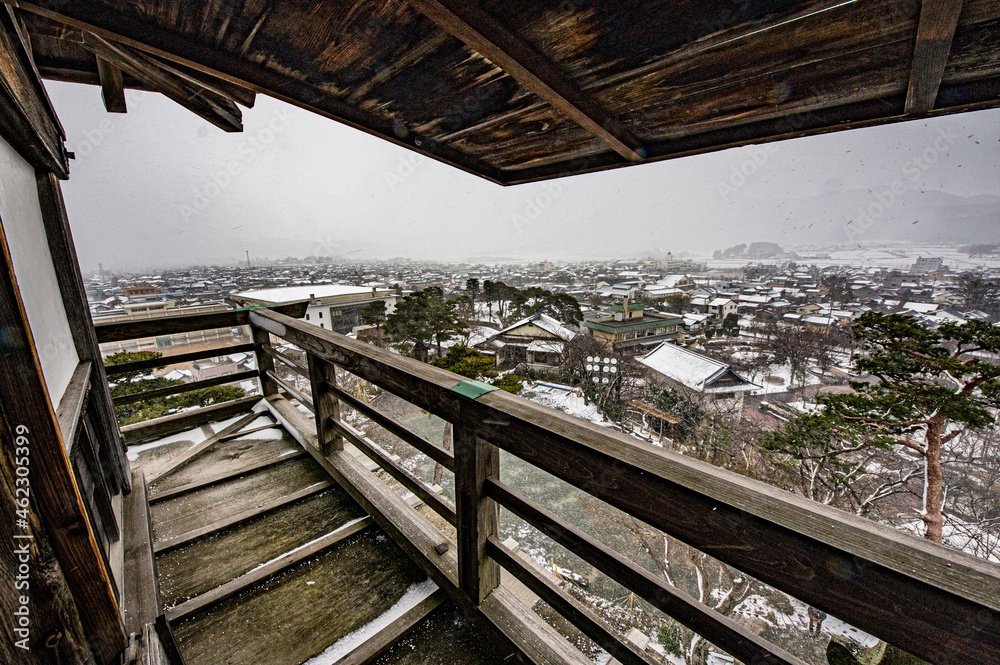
column 566, row 399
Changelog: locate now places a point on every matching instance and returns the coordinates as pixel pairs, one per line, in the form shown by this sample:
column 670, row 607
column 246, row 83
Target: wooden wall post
column 265, row 363
column 478, row 516
column 321, row 374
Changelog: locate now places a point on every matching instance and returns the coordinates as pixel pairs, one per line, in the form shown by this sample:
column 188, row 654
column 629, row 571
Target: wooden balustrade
column 936, row 603
column 118, row 331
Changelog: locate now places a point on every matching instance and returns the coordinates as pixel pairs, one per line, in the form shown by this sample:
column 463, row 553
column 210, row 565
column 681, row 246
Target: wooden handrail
column 183, row 387
column 163, row 361
column 119, row 331
column 722, row 631
column 939, row 604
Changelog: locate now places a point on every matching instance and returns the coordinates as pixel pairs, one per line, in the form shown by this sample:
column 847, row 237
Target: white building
column 335, row 307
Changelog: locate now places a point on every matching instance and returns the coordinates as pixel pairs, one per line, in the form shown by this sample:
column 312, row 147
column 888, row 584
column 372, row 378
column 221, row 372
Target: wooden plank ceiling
column 524, row 90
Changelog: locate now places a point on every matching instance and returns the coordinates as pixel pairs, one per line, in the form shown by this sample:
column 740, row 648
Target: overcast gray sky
column 151, row 189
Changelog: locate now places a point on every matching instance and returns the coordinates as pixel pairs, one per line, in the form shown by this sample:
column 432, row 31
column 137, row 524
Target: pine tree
column 930, row 387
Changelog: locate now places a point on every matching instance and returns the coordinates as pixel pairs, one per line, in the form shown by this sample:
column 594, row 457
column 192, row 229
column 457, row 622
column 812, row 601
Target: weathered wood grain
column 326, row 403
column 511, row 622
column 212, row 562
column 185, row 457
column 286, row 621
column 443, row 457
column 439, row 504
column 159, row 428
column 478, row 517
column 581, row 616
column 232, row 498
column 789, row 542
column 227, row 459
column 71, row 406
column 216, row 526
column 938, row 21
column 484, row 34
column 386, row 637
column 119, row 331
column 26, row 403
column 141, row 602
column 268, row 570
column 112, row 87
column 725, row 633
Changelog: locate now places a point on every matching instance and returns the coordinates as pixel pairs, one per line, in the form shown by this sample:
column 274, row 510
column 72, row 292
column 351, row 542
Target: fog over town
column 295, row 184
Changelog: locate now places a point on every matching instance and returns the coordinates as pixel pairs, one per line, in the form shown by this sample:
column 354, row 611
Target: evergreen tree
column 424, row 318
column 373, row 314
column 932, row 385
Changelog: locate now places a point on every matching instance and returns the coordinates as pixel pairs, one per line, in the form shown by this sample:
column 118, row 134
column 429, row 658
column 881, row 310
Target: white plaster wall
column 36, row 278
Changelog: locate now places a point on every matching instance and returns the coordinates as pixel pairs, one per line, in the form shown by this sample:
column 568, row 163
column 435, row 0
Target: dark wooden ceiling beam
column 236, row 93
column 112, row 87
column 216, row 109
column 149, row 38
column 481, row 32
column 938, row 22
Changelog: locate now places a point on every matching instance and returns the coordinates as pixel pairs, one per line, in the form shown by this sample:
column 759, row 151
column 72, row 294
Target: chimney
column 373, row 292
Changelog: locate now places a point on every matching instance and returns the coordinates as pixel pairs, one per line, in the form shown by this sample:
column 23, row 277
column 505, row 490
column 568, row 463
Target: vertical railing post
column 321, row 375
column 265, row 363
column 478, row 516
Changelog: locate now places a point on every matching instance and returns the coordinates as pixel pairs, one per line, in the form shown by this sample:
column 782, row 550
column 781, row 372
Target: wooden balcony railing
column 936, row 603
column 118, row 331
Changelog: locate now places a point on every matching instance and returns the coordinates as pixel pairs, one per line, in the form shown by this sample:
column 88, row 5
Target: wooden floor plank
column 141, row 602
column 219, row 525
column 267, row 570
column 223, row 500
column 211, row 562
column 295, row 616
column 388, row 636
column 216, row 477
column 445, row 637
column 193, row 452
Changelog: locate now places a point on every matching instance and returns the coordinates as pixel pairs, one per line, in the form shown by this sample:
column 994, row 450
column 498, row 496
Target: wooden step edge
column 267, row 570
column 389, row 635
column 290, row 455
column 207, row 530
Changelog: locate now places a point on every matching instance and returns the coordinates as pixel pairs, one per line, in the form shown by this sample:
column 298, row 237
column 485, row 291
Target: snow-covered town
column 535, row 332
column 704, row 359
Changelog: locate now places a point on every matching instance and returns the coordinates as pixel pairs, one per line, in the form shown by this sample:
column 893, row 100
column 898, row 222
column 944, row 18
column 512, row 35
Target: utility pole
column 248, row 259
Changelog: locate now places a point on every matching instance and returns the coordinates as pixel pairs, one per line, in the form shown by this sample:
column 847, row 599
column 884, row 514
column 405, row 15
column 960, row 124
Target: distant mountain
column 859, row 215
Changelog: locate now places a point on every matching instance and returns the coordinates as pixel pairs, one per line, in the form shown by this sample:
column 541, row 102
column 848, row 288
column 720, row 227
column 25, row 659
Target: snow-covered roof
column 546, row 347
column 294, row 293
column 719, row 302
column 921, row 306
column 543, row 321
column 694, row 370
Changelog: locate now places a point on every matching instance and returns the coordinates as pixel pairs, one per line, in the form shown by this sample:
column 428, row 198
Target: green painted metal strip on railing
column 473, row 389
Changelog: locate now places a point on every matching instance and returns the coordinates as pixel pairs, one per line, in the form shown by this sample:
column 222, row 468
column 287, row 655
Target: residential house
column 538, row 341
column 687, row 370
column 633, row 329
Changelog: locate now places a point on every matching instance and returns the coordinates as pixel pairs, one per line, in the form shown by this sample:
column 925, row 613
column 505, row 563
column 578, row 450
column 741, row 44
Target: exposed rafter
column 938, row 21
column 112, row 87
column 481, row 32
column 213, row 107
